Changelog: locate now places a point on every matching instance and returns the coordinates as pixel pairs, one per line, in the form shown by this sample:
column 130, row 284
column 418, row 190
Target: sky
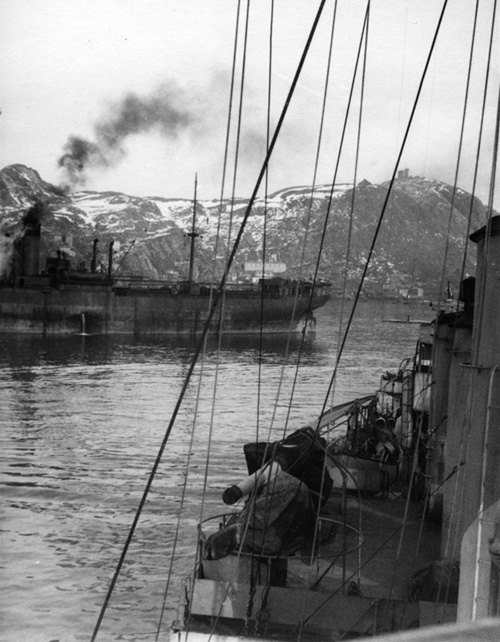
column 133, row 96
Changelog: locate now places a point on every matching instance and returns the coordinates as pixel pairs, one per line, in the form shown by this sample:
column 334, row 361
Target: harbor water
column 81, row 423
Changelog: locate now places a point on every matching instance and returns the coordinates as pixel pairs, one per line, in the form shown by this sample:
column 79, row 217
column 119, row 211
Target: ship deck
column 369, row 590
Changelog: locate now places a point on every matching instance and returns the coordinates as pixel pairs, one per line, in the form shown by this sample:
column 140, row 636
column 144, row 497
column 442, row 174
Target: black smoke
column 163, row 111
column 34, row 215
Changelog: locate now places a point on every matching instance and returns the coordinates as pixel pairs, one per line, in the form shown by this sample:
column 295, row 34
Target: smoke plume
column 34, row 215
column 162, row 111
column 31, row 220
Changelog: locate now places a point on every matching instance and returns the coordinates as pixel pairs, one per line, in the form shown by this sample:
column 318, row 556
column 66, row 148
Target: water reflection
column 82, row 419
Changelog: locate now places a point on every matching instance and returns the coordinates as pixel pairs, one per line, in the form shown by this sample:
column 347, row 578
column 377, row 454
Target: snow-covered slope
column 150, row 234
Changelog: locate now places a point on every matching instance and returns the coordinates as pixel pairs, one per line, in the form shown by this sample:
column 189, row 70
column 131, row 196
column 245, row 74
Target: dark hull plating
column 100, row 310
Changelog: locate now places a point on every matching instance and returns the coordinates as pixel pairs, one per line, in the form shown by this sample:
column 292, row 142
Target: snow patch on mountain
column 151, row 234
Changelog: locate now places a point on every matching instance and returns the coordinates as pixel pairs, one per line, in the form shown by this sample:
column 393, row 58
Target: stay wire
column 206, row 327
column 330, row 200
column 464, row 433
column 480, row 138
column 184, row 487
column 264, row 237
column 281, row 380
column 309, row 211
column 386, row 201
column 219, row 328
column 182, row 502
column 301, row 262
column 363, row 39
column 377, row 230
column 239, row 122
column 464, row 439
column 228, row 138
column 221, row 317
column 459, row 157
column 353, row 198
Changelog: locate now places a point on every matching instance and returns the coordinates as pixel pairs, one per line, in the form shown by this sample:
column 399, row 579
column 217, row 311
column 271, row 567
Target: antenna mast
column 193, row 235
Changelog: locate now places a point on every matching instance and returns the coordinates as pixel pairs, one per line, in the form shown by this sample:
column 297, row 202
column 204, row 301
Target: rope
column 204, row 333
column 329, row 207
column 462, row 129
column 365, row 270
column 478, row 151
column 264, row 237
column 351, row 214
column 181, row 507
column 217, row 240
column 453, row 533
column 363, row 38
column 389, row 192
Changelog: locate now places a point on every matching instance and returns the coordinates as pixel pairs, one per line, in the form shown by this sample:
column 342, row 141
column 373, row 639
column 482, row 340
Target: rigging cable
column 211, row 313
column 481, row 127
column 466, row 417
column 353, row 197
column 456, row 515
column 238, row 126
column 332, row 190
column 307, row 227
column 363, row 39
column 182, row 502
column 386, row 200
column 242, row 538
column 459, row 157
column 280, row 384
column 264, row 236
column 221, row 319
column 214, row 268
column 310, row 207
column 384, row 207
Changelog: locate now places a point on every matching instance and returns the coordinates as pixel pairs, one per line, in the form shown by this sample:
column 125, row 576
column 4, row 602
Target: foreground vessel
column 384, row 514
column 385, row 531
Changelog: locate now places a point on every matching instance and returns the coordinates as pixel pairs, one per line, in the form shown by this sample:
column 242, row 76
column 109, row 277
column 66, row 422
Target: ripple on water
column 82, row 420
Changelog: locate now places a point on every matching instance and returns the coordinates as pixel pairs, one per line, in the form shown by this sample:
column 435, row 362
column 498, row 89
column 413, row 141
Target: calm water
column 82, row 419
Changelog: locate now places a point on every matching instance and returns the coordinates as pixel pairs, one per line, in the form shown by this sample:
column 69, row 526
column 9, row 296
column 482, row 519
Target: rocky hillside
column 150, row 239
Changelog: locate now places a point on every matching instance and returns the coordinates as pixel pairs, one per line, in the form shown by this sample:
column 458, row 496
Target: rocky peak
column 150, row 234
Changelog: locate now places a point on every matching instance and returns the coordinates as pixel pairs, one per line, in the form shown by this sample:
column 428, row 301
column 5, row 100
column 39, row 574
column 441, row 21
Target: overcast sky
column 140, row 89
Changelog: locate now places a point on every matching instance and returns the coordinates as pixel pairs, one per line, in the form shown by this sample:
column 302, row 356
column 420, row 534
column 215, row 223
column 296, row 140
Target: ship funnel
column 93, row 263
column 110, row 259
column 30, row 241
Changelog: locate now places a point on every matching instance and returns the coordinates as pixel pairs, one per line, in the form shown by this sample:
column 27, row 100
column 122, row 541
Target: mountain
column 150, row 234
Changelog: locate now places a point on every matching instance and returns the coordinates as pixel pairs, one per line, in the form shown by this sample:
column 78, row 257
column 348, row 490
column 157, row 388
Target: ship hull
column 101, row 310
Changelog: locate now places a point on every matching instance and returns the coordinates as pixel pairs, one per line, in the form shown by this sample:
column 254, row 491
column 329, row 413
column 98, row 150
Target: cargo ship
column 62, row 299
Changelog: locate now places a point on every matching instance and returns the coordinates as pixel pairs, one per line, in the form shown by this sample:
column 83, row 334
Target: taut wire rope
column 480, row 137
column 307, row 225
column 264, row 236
column 353, row 195
column 389, row 191
column 459, row 157
column 210, row 316
column 441, row 289
column 363, row 39
column 452, row 533
column 194, row 423
column 330, row 200
column 385, row 203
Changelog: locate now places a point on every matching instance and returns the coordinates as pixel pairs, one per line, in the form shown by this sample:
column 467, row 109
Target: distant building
column 411, row 293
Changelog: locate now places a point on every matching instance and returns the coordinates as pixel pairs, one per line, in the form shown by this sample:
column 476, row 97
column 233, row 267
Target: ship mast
column 193, row 235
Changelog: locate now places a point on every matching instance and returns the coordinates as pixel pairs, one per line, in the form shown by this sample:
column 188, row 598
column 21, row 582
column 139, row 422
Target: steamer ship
column 60, row 299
